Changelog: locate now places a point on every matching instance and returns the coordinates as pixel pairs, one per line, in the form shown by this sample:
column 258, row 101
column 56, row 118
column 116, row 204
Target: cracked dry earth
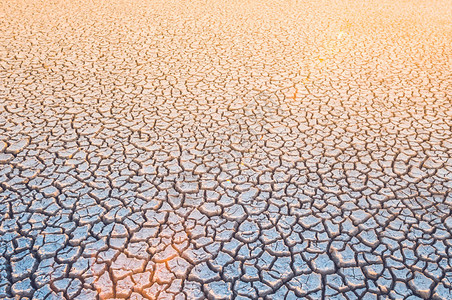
column 225, row 150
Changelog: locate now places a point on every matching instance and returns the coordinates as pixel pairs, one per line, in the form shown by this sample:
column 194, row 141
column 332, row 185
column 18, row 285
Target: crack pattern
column 225, row 150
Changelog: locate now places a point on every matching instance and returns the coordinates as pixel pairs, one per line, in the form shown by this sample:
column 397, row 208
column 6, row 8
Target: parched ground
column 225, row 149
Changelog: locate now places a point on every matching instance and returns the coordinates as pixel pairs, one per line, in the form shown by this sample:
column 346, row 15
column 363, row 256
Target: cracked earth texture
column 225, row 150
